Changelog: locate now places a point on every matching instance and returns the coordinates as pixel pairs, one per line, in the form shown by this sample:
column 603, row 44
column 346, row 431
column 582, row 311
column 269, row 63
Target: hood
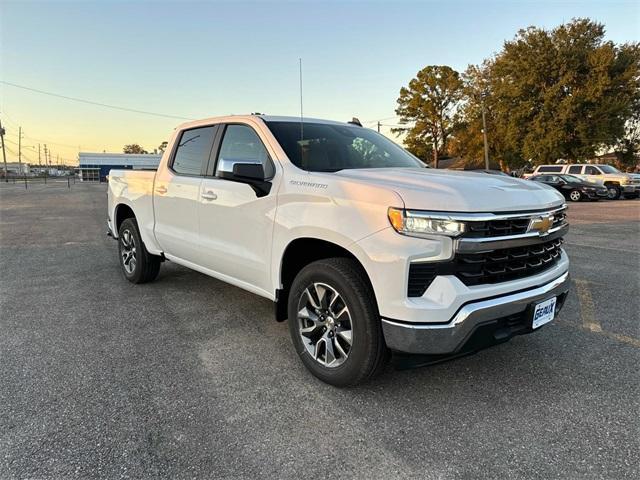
column 457, row 191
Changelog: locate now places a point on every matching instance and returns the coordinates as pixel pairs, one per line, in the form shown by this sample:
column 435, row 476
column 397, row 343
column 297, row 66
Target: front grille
column 506, row 227
column 497, row 228
column 506, row 264
column 559, row 218
column 486, row 268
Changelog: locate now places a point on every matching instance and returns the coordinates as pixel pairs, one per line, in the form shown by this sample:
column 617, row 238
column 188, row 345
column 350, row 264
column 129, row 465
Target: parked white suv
column 362, row 248
column 617, row 182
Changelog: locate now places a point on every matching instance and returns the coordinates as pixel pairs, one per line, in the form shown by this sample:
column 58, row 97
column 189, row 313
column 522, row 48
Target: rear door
column 177, row 193
column 236, row 222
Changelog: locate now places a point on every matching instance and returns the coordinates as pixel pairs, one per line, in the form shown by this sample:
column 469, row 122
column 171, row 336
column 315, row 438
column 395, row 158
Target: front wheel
column 575, row 196
column 613, row 192
column 137, row 264
column 334, row 322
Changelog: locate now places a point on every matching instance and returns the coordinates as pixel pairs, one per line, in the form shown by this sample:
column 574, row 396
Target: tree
column 163, row 146
column 467, row 140
column 628, row 147
column 133, row 148
column 429, row 102
column 564, row 93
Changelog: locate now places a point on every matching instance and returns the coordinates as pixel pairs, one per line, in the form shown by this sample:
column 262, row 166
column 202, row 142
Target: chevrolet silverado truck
column 362, row 249
column 616, row 182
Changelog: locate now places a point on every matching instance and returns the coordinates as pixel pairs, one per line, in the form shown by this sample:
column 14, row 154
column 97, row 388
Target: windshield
column 608, row 169
column 570, row 179
column 329, row 148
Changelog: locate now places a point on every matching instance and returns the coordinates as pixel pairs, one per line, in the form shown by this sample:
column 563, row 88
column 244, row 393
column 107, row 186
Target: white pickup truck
column 361, row 247
column 617, row 183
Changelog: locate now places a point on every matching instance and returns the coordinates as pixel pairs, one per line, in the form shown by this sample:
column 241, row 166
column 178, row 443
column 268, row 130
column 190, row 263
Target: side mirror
column 249, row 171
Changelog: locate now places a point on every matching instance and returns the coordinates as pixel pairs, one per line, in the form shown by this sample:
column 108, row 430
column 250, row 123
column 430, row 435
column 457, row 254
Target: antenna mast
column 301, row 111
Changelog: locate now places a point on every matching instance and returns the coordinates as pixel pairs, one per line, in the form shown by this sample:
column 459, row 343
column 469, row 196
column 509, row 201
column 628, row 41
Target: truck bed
column 135, row 189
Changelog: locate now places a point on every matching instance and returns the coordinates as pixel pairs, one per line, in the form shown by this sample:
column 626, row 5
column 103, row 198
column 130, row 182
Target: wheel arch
column 299, row 253
column 122, row 212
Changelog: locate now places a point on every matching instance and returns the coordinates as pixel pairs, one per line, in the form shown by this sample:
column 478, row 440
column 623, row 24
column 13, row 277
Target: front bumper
column 476, row 324
column 630, row 188
column 595, row 194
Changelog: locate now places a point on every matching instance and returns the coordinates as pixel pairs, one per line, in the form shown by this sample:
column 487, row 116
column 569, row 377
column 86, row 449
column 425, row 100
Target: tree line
column 564, row 93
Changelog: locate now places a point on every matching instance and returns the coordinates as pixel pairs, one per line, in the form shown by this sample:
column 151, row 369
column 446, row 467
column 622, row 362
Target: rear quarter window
column 556, row 169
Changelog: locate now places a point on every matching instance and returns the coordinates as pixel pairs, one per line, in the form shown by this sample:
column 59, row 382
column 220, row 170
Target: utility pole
column 378, row 126
column 484, row 132
column 19, row 150
column 4, row 154
column 39, row 158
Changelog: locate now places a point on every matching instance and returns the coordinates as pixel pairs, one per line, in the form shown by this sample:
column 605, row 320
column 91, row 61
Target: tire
column 138, row 265
column 575, row 195
column 613, row 192
column 332, row 301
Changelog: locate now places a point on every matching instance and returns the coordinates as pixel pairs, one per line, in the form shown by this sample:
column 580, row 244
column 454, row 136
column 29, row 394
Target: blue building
column 94, row 167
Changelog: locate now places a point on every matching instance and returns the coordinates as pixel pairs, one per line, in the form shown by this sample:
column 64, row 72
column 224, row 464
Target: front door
column 236, row 222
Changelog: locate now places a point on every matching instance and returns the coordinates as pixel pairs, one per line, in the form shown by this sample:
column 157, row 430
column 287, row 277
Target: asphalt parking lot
column 188, row 377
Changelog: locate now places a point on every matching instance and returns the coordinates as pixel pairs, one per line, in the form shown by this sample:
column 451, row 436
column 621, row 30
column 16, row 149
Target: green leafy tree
column 467, row 141
column 429, row 103
column 133, row 148
column 163, row 146
column 564, row 93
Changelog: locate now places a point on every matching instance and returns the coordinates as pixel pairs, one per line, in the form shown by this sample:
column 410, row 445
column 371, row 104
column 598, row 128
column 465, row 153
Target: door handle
column 161, row 190
column 209, row 195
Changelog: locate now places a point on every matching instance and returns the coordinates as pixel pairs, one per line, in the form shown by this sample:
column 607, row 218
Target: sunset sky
column 206, row 59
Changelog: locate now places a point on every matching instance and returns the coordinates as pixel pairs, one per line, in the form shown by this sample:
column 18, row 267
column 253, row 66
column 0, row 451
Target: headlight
column 415, row 222
column 590, row 189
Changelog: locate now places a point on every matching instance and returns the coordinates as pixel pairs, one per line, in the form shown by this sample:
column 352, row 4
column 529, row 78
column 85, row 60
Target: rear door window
column 193, row 151
column 575, row 169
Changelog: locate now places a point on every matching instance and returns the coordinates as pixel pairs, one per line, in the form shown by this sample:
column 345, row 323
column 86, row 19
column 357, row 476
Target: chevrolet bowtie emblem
column 541, row 224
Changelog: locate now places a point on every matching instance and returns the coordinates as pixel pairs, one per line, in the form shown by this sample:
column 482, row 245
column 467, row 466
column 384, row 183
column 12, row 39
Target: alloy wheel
column 128, row 251
column 325, row 324
column 575, row 196
column 612, row 193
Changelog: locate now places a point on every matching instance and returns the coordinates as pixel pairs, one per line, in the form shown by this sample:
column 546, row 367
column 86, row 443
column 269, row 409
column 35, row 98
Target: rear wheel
column 575, row 196
column 137, row 264
column 334, row 322
column 613, row 192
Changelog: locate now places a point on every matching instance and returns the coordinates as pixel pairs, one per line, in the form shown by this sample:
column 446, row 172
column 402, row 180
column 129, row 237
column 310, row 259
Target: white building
column 15, row 168
column 94, row 167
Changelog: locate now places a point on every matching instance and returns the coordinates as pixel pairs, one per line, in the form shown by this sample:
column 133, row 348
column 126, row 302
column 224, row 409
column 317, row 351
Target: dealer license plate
column 543, row 313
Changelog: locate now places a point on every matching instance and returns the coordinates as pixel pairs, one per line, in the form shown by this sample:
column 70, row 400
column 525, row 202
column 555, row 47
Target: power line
column 91, row 102
column 381, row 119
column 50, row 142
